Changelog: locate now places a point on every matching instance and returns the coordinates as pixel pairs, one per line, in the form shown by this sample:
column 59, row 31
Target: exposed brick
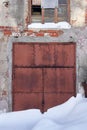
column 27, row 20
column 51, row 31
column 39, row 34
column 7, row 32
column 43, row 31
column 7, row 28
column 15, row 29
column 4, row 93
column 55, row 33
column 29, row 32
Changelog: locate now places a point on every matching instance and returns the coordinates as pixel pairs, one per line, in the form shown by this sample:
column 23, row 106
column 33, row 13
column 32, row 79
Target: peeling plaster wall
column 4, row 78
column 78, row 8
column 11, row 16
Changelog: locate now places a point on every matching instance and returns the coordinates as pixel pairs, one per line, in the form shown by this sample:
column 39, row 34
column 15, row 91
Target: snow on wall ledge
column 59, row 25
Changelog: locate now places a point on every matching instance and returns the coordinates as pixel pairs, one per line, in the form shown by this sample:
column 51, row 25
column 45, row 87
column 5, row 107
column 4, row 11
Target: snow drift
column 71, row 115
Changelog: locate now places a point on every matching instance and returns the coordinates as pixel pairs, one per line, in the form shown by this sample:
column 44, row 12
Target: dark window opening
column 36, row 11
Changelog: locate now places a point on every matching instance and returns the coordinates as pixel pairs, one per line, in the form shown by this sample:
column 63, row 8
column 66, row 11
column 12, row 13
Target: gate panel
column 59, row 80
column 53, row 99
column 65, row 80
column 43, row 74
column 28, row 80
column 23, row 101
column 65, row 55
column 23, row 54
column 50, row 80
column 44, row 55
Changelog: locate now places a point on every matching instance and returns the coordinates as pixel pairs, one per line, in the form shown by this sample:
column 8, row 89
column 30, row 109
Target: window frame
column 42, row 11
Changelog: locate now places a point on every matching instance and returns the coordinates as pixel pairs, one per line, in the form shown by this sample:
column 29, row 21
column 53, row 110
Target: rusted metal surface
column 65, row 80
column 28, row 80
column 23, row 55
column 23, row 101
column 50, row 80
column 59, row 80
column 43, row 74
column 64, row 55
column 44, row 55
column 53, row 99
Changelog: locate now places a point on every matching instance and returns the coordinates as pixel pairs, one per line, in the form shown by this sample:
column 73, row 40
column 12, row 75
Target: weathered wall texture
column 16, row 15
column 13, row 13
column 3, row 74
column 78, row 8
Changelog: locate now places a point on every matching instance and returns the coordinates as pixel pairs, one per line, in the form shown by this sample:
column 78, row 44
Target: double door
column 43, row 74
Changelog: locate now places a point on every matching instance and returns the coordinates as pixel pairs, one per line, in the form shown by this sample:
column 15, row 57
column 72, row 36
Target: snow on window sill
column 59, row 25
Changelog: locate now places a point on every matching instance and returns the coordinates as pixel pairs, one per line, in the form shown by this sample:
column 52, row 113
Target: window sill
column 59, row 25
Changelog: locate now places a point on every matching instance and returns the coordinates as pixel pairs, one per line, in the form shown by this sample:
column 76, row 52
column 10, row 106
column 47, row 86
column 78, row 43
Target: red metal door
column 43, row 74
column 59, row 86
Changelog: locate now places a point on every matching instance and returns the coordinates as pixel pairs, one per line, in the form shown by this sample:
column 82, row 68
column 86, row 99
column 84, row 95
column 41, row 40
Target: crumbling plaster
column 13, row 14
column 78, row 8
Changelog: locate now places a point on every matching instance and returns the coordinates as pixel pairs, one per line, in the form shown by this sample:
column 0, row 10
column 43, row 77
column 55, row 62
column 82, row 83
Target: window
column 57, row 11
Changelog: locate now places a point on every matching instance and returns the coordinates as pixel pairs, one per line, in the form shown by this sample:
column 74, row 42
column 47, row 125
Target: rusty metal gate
column 43, row 74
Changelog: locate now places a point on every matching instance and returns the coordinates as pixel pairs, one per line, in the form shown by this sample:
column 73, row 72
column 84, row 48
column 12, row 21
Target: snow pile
column 71, row 115
column 59, row 25
column 21, row 120
column 60, row 112
column 47, row 124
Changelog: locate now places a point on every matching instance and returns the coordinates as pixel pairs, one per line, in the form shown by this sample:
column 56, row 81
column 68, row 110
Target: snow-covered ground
column 71, row 115
column 59, row 25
